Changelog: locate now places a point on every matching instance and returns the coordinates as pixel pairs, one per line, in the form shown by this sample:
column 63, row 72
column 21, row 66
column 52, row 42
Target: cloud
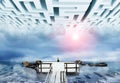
column 29, row 44
column 8, row 55
column 107, row 48
column 42, row 43
column 106, row 56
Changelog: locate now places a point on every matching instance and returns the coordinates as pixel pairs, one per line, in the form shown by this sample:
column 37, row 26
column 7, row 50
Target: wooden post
column 41, row 67
column 50, row 67
column 66, row 67
column 76, row 68
column 79, row 68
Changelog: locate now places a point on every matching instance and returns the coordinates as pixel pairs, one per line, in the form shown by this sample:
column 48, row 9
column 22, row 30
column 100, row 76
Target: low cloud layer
column 34, row 44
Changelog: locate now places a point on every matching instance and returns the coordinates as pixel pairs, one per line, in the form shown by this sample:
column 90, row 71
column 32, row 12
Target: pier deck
column 58, row 67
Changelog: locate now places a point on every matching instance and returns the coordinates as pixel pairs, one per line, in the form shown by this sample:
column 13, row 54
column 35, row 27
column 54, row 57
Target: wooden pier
column 56, row 71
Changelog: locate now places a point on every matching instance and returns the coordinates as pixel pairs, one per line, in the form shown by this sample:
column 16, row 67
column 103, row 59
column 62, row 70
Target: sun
column 75, row 37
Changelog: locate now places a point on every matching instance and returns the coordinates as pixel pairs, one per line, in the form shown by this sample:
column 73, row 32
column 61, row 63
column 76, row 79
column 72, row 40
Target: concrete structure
column 65, row 13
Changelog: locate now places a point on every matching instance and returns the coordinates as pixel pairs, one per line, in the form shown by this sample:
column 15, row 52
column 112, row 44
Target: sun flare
column 75, row 37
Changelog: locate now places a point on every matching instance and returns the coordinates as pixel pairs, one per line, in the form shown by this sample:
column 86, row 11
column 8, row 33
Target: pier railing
column 72, row 67
column 56, row 71
column 45, row 67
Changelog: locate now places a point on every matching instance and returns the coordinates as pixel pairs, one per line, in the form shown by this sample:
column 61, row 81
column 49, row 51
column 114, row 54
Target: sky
column 48, row 44
column 28, row 37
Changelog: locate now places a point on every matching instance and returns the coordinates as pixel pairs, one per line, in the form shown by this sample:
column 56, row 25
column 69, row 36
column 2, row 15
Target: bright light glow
column 73, row 41
column 75, row 37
